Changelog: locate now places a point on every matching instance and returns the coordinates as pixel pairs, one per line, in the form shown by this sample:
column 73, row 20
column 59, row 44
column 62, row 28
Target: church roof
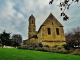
column 51, row 19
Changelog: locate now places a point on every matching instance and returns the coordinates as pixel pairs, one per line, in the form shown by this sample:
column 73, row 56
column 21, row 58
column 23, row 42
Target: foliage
column 5, row 38
column 23, row 47
column 64, row 5
column 59, row 49
column 17, row 54
column 31, row 48
column 62, row 50
column 39, row 49
column 16, row 40
column 66, row 47
column 73, row 37
column 76, row 52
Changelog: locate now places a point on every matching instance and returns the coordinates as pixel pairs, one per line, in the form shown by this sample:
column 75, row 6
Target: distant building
column 50, row 33
column 17, row 39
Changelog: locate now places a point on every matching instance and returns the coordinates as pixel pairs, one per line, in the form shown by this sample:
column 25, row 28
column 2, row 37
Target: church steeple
column 32, row 27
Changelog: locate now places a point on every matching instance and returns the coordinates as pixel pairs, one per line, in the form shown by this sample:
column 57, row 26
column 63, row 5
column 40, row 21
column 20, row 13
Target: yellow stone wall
column 52, row 23
column 52, row 44
column 34, row 41
column 43, row 36
column 43, row 33
column 31, row 27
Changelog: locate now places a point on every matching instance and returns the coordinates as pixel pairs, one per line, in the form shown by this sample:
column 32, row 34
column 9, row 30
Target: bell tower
column 31, row 27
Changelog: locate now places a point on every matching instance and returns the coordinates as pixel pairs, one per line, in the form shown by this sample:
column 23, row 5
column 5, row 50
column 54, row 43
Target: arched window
column 57, row 31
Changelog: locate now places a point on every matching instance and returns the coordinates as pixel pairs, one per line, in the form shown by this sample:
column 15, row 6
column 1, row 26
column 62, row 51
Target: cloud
column 14, row 15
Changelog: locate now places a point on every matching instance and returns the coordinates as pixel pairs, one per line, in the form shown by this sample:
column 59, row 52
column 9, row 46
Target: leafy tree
column 73, row 37
column 16, row 40
column 5, row 38
column 64, row 4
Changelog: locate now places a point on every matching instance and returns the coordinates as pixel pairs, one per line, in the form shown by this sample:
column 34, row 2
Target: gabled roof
column 50, row 19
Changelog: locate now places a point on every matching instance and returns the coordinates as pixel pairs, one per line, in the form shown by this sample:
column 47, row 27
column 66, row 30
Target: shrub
column 42, row 49
column 62, row 51
column 31, row 48
column 59, row 49
column 38, row 49
column 67, row 47
column 47, row 49
column 76, row 52
column 23, row 47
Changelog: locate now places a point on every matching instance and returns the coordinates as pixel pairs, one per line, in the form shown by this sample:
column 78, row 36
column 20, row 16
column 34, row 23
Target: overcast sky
column 14, row 15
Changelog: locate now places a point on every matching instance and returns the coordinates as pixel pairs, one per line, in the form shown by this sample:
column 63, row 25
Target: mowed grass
column 17, row 54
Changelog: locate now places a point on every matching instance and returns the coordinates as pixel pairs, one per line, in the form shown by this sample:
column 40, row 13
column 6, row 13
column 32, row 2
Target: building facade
column 50, row 33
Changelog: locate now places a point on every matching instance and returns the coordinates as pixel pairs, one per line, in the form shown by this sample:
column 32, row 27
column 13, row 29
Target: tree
column 64, row 4
column 16, row 40
column 5, row 38
column 73, row 37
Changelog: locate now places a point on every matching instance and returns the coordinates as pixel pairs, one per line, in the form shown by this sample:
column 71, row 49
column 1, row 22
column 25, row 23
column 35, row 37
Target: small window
column 57, row 31
column 49, row 31
column 32, row 21
column 52, row 23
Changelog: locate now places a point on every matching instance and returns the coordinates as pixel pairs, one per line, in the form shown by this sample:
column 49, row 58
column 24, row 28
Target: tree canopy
column 5, row 38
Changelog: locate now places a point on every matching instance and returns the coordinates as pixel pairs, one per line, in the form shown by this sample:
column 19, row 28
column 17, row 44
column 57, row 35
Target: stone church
column 50, row 33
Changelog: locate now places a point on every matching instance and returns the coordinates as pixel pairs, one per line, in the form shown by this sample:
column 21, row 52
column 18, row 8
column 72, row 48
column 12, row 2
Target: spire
column 31, row 17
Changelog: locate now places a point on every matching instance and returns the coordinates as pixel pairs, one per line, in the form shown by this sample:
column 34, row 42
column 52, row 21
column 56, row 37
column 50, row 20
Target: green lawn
column 16, row 54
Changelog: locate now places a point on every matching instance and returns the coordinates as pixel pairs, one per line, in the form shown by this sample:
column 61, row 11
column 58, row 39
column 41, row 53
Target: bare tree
column 65, row 4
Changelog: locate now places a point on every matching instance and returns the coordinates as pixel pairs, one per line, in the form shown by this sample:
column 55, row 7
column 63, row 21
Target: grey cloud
column 14, row 15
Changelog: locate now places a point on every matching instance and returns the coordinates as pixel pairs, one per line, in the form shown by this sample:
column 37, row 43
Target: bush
column 59, row 49
column 67, row 47
column 31, row 48
column 22, row 47
column 42, row 49
column 76, row 52
column 38, row 49
column 46, row 46
column 46, row 49
column 63, row 51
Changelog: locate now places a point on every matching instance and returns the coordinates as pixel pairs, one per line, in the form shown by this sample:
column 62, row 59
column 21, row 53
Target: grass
column 16, row 54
